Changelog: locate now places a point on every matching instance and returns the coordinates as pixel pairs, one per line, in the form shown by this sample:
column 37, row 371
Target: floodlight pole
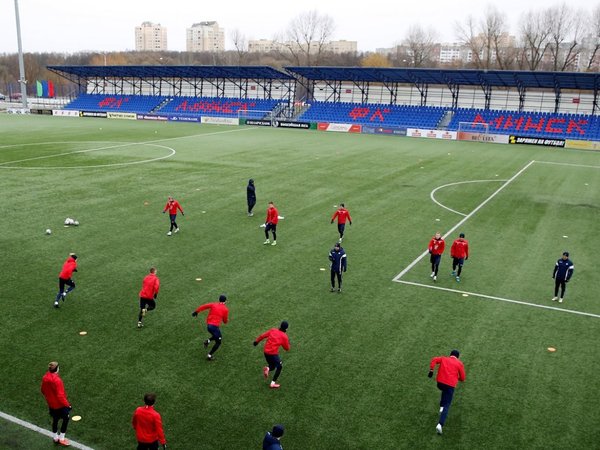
column 22, row 80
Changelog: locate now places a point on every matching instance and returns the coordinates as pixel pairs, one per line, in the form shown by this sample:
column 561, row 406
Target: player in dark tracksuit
column 272, row 438
column 251, row 196
column 563, row 271
column 339, row 263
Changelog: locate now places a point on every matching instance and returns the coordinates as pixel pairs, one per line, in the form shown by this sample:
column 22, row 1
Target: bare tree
column 565, row 26
column 487, row 39
column 420, row 45
column 468, row 35
column 535, row 33
column 594, row 28
column 241, row 45
column 307, row 36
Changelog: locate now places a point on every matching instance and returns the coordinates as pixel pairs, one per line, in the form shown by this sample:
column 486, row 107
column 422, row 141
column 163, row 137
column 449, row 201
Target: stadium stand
column 374, row 114
column 141, row 104
column 218, row 107
column 530, row 124
column 175, row 106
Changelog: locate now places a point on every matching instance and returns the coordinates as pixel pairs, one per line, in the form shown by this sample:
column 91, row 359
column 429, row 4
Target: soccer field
column 356, row 375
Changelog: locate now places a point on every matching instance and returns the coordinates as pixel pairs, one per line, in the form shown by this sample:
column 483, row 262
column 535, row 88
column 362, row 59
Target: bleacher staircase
column 445, row 120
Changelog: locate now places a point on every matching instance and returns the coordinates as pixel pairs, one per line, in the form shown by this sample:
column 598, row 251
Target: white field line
column 432, row 194
column 567, row 164
column 119, row 146
column 37, row 429
column 491, row 297
column 464, row 219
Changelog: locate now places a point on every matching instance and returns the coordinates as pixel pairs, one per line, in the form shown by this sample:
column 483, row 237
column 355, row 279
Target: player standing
column 450, row 372
column 64, row 278
column 218, row 313
column 339, row 264
column 173, row 205
column 53, row 390
column 251, row 196
column 150, row 287
column 271, row 223
column 436, row 248
column 147, row 424
column 275, row 338
column 563, row 271
column 459, row 253
column 342, row 215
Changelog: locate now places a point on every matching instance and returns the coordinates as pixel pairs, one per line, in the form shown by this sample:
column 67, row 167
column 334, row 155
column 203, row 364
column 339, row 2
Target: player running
column 271, row 224
column 436, row 248
column 459, row 252
column 450, row 372
column 218, row 313
column 275, row 338
column 342, row 215
column 173, row 205
column 64, row 278
column 150, row 287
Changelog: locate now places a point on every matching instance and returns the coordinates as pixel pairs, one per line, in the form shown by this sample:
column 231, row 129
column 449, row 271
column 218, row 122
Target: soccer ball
column 48, row 231
column 76, row 223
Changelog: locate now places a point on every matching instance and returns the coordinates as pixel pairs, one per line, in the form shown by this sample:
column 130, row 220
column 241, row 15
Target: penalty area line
column 39, row 430
column 501, row 299
column 464, row 219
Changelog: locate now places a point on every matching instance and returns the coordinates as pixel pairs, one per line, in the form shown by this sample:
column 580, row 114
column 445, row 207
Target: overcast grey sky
column 108, row 25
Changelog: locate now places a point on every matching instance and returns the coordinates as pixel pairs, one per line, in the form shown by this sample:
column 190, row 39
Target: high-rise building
column 150, row 37
column 205, row 37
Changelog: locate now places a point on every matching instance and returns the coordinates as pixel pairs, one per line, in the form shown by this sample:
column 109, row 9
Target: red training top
column 275, row 339
column 437, row 246
column 173, row 207
column 68, row 268
column 148, row 425
column 460, row 248
column 451, row 370
column 272, row 215
column 150, row 286
column 342, row 214
column 54, row 391
column 218, row 312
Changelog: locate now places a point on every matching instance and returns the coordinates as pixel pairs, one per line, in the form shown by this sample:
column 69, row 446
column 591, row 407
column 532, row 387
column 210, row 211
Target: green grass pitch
column 356, row 375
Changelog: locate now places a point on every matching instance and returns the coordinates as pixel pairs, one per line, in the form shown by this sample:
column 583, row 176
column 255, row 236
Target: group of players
column 459, row 252
column 147, row 421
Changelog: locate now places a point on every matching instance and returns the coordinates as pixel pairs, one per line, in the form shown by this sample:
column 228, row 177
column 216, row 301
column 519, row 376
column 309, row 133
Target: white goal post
column 473, row 127
column 255, row 114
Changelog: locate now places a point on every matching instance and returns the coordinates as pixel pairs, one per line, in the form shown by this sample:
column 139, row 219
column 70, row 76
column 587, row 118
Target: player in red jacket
column 271, row 224
column 147, row 424
column 342, row 215
column 58, row 405
column 172, row 206
column 64, row 278
column 450, row 372
column 150, row 287
column 436, row 248
column 459, row 253
column 275, row 338
column 217, row 313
